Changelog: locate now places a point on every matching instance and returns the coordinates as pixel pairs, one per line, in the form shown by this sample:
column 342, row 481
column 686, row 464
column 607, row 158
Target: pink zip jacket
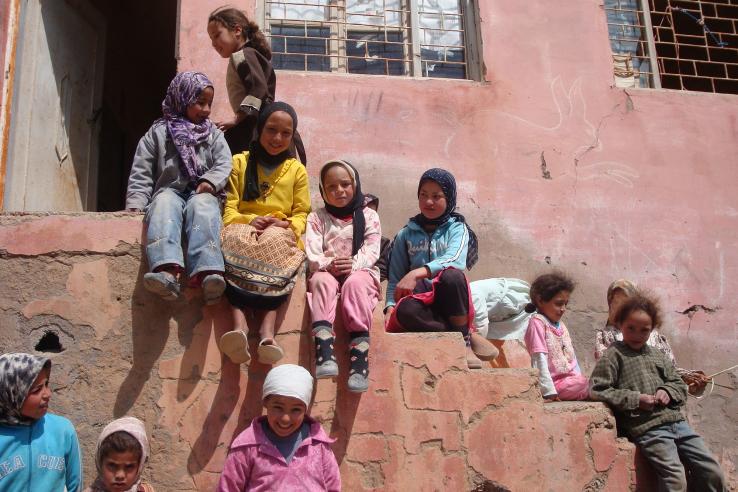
column 255, row 464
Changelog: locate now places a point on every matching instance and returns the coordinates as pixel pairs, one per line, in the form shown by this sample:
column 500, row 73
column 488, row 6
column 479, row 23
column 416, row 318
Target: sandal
column 269, row 352
column 472, row 361
column 483, row 348
column 236, row 346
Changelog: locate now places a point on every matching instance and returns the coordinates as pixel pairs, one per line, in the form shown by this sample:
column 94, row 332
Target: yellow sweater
column 288, row 196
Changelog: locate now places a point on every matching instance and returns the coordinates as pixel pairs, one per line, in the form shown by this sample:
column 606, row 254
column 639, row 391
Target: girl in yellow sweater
column 265, row 214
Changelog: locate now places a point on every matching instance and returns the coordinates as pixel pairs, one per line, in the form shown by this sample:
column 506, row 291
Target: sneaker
column 328, row 369
column 213, row 286
column 163, row 284
column 358, row 383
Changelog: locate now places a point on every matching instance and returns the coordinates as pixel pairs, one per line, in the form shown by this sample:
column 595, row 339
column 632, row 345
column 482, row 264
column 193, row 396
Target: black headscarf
column 355, row 207
column 446, row 181
column 259, row 155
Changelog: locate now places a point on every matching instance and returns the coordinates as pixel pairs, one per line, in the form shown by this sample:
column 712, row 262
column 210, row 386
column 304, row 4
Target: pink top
column 328, row 237
column 255, row 464
column 544, row 337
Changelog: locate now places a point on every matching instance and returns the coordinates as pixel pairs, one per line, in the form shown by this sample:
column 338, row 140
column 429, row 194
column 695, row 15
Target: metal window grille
column 386, row 37
column 675, row 44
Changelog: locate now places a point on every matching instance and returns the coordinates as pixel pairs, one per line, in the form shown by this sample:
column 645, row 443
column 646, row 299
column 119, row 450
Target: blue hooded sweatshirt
column 35, row 455
column 414, row 247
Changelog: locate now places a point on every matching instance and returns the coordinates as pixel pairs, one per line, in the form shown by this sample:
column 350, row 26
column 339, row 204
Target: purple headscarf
column 184, row 90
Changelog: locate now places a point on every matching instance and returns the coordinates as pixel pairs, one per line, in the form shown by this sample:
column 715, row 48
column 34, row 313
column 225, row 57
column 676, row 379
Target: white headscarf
column 135, row 428
column 289, row 380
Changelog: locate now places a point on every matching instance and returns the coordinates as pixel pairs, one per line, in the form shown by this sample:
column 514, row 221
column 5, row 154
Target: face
column 338, row 186
column 277, row 133
column 431, row 200
column 556, row 307
column 225, row 41
column 636, row 329
column 617, row 300
column 284, row 414
column 119, row 470
column 36, row 403
column 198, row 111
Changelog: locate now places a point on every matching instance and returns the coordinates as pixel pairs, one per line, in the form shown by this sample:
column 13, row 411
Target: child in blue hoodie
column 39, row 451
column 427, row 289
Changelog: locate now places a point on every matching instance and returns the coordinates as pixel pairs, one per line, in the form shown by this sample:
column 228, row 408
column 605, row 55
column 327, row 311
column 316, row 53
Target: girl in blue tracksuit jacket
column 39, row 451
column 427, row 289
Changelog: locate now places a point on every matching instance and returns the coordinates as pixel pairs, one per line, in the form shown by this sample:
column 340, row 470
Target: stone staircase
column 426, row 424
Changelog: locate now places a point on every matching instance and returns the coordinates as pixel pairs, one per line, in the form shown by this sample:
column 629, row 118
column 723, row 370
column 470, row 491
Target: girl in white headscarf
column 284, row 449
column 122, row 451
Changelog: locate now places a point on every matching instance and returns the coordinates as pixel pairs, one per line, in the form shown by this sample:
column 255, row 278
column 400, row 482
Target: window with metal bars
column 427, row 38
column 675, row 44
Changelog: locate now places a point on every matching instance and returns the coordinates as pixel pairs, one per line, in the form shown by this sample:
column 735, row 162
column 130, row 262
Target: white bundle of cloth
column 499, row 307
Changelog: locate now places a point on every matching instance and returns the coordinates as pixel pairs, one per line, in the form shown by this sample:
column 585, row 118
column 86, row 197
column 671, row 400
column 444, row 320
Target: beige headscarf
column 626, row 286
column 132, row 426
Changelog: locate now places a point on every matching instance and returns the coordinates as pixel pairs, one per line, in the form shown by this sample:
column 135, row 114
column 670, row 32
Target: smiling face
column 556, row 307
column 225, row 41
column 636, row 329
column 119, row 470
column 199, row 111
column 431, row 200
column 277, row 133
column 338, row 186
column 284, row 414
column 36, row 403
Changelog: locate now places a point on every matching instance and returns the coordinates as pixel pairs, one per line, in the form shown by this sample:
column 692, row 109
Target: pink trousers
column 359, row 296
column 572, row 387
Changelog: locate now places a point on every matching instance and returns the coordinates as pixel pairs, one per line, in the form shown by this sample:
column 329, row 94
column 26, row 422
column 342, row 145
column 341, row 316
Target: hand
column 551, row 398
column 646, row 402
column 261, row 222
column 406, row 285
column 133, row 210
column 661, row 398
column 284, row 224
column 226, row 125
column 697, row 380
column 205, row 187
column 341, row 265
column 388, row 315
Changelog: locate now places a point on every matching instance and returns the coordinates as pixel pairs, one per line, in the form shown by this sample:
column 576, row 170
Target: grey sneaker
column 328, row 369
column 358, row 383
column 213, row 287
column 163, row 284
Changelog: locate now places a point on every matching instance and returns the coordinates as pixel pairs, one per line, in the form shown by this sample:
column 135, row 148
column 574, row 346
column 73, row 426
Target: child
column 122, row 451
column 548, row 341
column 284, row 450
column 38, row 450
column 265, row 215
column 646, row 393
column 372, row 201
column 427, row 289
column 250, row 78
column 617, row 293
column 179, row 172
column 342, row 246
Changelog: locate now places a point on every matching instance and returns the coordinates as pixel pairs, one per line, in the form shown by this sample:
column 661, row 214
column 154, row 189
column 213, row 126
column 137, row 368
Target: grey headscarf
column 17, row 374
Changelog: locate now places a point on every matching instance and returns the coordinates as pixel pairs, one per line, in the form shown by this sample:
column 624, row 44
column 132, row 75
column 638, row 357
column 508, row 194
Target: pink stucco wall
column 643, row 183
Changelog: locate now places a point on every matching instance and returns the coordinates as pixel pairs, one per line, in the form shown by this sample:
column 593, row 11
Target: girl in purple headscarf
column 178, row 175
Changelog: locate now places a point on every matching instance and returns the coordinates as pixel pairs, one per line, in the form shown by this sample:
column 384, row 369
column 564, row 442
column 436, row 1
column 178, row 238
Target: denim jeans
column 201, row 216
column 667, row 446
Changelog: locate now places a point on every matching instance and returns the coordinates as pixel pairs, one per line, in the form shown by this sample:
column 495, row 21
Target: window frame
column 471, row 30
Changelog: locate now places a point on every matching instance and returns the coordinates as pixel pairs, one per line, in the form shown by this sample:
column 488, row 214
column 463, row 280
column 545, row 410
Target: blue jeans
column 202, row 220
column 667, row 446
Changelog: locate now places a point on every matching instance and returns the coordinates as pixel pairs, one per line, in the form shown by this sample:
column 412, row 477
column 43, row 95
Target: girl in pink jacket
column 285, row 449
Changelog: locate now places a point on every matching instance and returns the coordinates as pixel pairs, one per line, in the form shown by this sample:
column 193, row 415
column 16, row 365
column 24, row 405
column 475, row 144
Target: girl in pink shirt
column 548, row 340
column 285, row 449
column 342, row 244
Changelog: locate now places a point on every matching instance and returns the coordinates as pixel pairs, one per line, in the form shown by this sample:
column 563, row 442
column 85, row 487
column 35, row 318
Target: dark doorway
column 139, row 63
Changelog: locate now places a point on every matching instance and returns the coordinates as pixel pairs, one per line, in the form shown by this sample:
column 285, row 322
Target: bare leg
column 266, row 329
